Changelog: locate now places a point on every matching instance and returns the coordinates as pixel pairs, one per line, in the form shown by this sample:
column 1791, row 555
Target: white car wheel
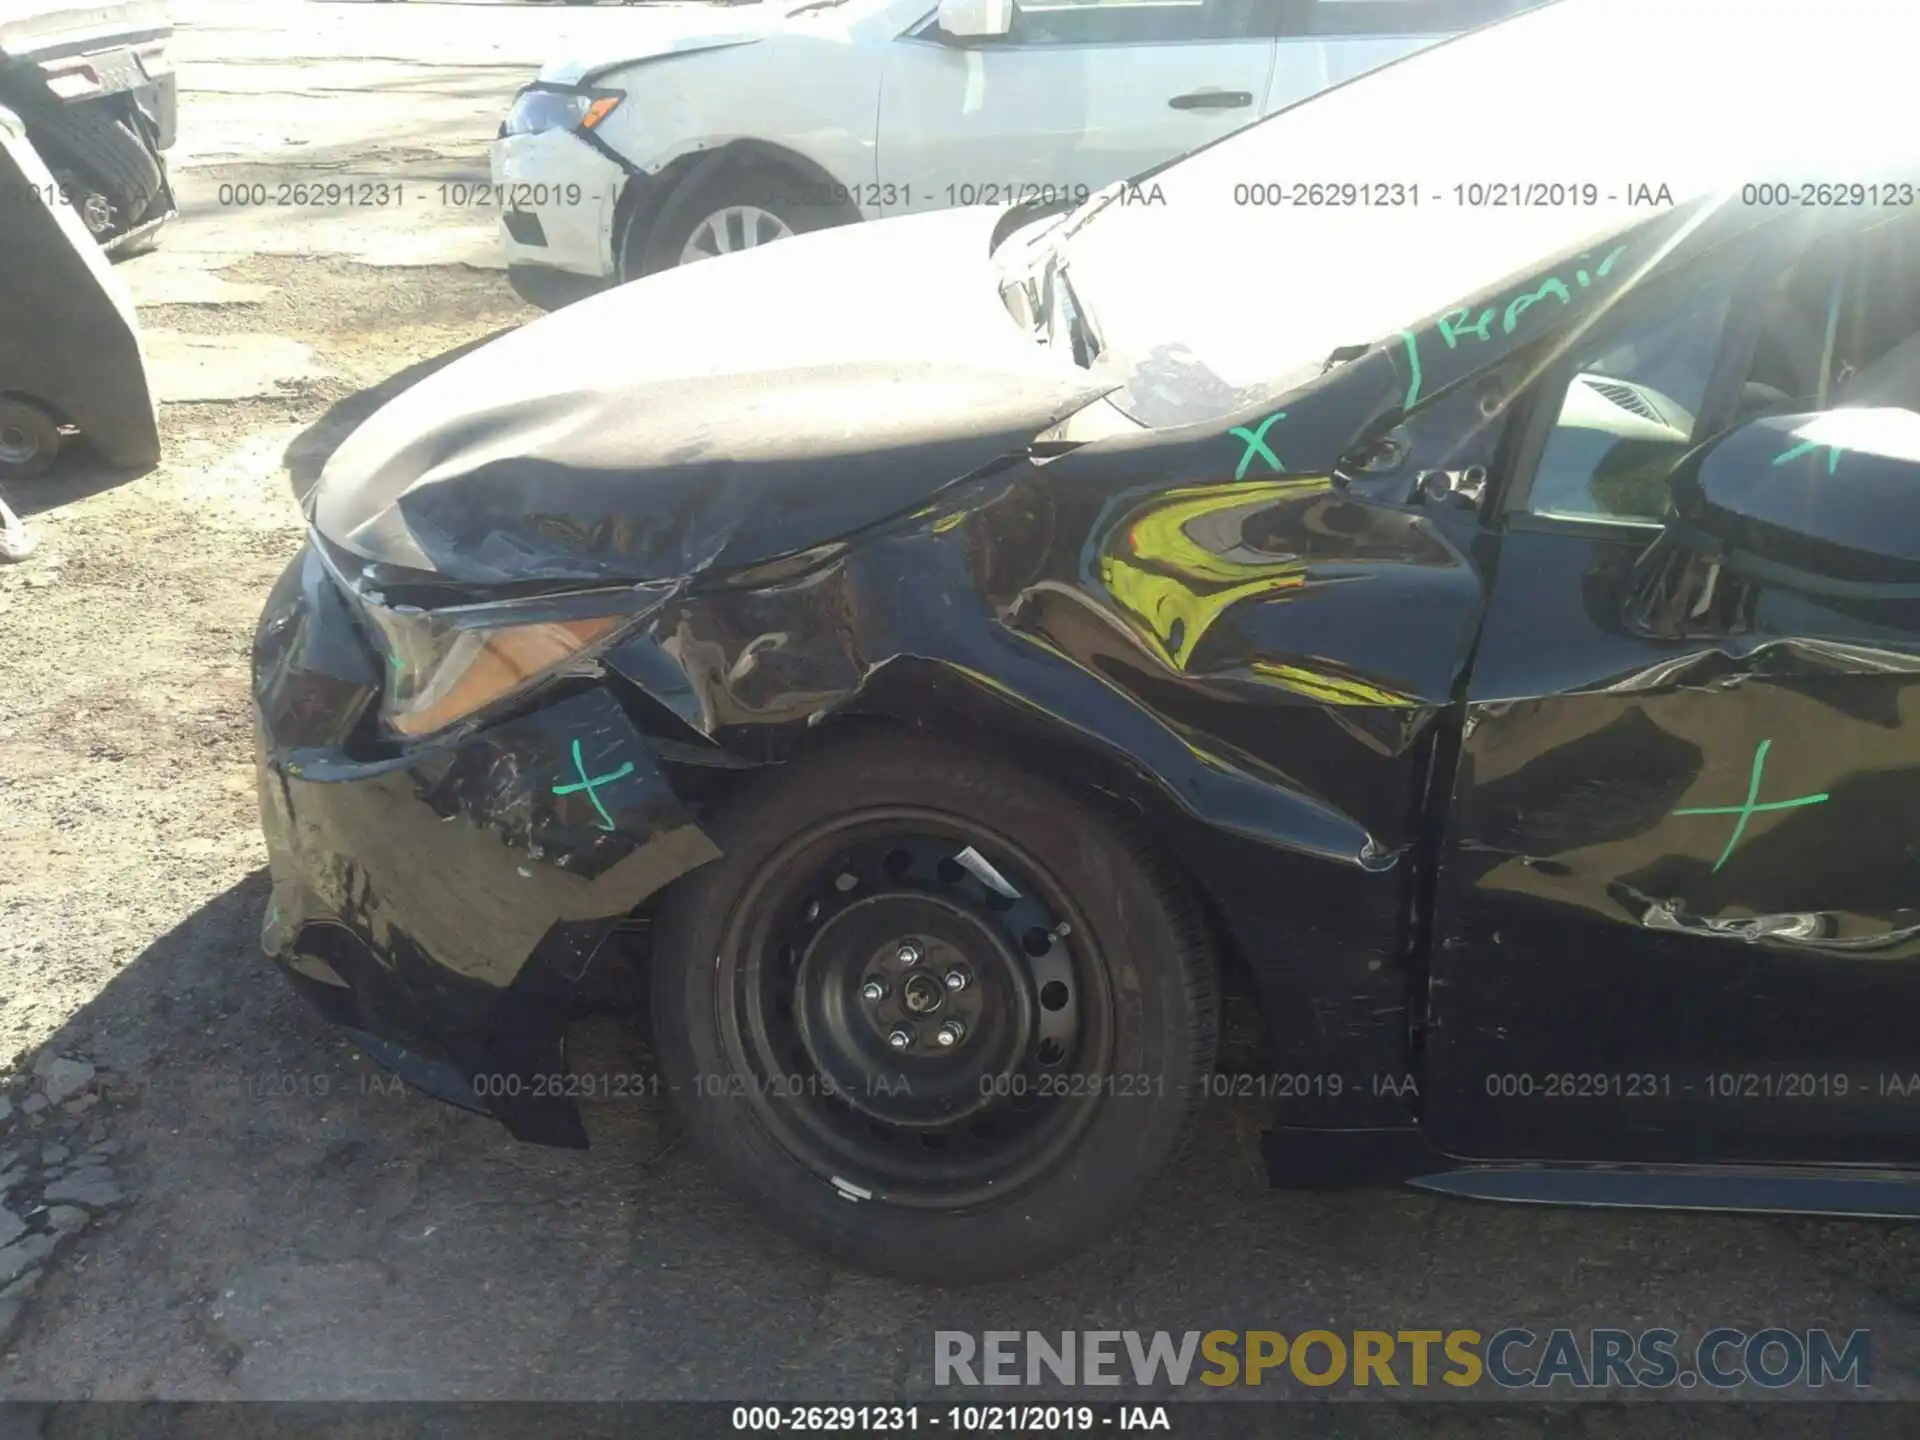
column 740, row 208
column 733, row 228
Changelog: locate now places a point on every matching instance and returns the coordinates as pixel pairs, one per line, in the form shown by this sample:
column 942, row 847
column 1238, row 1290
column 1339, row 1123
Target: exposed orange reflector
column 599, row 111
column 497, row 663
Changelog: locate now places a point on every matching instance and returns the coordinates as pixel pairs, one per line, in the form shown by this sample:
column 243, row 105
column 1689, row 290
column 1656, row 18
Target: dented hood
column 719, row 414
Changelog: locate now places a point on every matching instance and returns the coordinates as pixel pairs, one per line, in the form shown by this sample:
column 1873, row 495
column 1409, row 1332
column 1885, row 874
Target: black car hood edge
column 719, row 414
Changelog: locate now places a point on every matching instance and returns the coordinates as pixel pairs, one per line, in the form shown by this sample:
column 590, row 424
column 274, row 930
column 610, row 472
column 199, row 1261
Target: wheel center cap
column 922, row 994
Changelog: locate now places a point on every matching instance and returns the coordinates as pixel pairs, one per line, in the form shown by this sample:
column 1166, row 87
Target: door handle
column 1212, row 100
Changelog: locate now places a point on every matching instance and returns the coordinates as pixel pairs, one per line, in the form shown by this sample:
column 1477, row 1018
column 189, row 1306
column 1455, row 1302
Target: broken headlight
column 446, row 666
column 453, row 663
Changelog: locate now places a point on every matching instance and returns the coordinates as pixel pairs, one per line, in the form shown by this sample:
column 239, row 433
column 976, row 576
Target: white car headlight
column 540, row 108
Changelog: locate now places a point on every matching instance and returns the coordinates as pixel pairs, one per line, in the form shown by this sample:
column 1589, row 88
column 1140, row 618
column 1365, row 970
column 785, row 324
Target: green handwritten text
column 1752, row 806
column 1520, row 304
column 1454, row 326
column 1834, row 452
column 1451, row 330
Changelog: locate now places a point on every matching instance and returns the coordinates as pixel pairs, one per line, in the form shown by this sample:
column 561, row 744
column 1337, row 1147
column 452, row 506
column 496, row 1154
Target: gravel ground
column 210, row 1196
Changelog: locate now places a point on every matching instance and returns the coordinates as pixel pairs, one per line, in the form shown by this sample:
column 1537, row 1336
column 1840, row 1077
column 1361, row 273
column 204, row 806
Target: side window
column 1406, row 17
column 1138, row 22
column 1840, row 327
column 1629, row 410
column 1797, row 340
column 1873, row 359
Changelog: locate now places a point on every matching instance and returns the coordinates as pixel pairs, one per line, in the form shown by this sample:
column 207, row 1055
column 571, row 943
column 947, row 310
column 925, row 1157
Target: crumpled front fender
column 447, row 902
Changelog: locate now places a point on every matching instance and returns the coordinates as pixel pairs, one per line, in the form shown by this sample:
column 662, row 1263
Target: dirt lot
column 251, row 1211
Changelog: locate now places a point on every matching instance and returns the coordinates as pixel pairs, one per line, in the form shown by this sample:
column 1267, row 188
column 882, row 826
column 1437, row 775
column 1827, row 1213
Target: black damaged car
column 1462, row 592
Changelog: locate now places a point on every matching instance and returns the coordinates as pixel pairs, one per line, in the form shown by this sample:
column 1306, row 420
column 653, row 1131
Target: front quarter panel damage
column 449, row 900
column 1197, row 628
column 1209, row 661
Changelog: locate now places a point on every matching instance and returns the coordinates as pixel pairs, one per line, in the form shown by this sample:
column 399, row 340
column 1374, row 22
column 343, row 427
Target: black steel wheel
column 930, row 1013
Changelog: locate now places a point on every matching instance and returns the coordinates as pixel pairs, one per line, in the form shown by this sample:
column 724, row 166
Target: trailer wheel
column 101, row 148
column 29, row 438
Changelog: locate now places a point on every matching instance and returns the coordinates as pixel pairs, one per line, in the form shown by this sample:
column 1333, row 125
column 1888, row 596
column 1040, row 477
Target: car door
column 1677, row 912
column 1079, row 93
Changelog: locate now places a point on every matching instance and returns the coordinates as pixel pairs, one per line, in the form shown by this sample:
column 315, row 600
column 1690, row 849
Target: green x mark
column 590, row 784
column 1750, row 809
column 1257, row 445
column 1834, row 452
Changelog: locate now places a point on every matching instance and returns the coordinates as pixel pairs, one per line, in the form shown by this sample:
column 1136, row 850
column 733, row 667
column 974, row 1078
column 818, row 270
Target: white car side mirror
column 976, row 19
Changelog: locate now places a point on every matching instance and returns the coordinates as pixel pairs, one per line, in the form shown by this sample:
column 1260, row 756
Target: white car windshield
column 1447, row 172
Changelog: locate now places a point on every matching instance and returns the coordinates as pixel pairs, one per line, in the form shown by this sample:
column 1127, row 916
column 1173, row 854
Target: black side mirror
column 1461, row 489
column 1825, row 503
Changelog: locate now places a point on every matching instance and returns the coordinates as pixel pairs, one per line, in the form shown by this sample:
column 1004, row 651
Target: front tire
column 823, row 1054
column 737, row 209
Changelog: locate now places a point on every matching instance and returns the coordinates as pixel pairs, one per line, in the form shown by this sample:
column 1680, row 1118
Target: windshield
column 1383, row 201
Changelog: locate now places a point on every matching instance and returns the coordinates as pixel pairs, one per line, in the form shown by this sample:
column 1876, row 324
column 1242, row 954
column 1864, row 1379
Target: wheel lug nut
column 873, row 990
column 952, row 1033
column 899, row 1039
column 908, row 953
column 956, row 979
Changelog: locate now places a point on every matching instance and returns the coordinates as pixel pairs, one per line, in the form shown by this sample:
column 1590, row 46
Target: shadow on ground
column 304, row 1228
column 76, row 475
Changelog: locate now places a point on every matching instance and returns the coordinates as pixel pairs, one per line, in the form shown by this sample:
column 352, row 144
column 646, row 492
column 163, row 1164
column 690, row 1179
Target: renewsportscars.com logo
column 1511, row 1359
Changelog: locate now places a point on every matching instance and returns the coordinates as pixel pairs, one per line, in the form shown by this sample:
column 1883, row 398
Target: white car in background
column 716, row 131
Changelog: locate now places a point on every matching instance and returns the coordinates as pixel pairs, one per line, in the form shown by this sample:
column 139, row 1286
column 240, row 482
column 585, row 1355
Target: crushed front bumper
column 445, row 903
